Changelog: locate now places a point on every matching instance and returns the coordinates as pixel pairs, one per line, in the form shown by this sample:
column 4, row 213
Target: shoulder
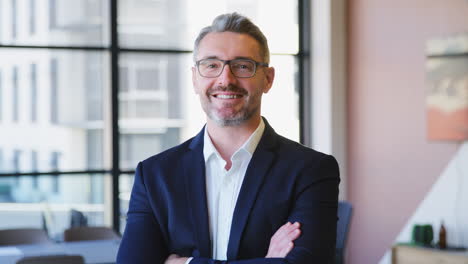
column 298, row 156
column 306, row 166
column 289, row 151
column 287, row 147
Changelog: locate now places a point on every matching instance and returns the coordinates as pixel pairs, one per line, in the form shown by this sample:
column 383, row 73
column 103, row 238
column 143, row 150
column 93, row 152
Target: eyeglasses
column 241, row 68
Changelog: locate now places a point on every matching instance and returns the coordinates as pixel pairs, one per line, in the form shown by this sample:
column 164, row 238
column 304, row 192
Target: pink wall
column 391, row 163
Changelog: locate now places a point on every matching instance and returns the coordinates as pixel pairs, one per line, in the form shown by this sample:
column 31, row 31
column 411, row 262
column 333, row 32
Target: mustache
column 230, row 88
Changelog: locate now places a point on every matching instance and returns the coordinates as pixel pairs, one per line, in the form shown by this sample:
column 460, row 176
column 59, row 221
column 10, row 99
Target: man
column 237, row 192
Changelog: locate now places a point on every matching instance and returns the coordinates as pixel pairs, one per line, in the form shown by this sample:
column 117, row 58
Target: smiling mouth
column 227, row 96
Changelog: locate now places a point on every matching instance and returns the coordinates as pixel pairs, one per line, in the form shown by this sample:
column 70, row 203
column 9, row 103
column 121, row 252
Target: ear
column 269, row 77
column 194, row 80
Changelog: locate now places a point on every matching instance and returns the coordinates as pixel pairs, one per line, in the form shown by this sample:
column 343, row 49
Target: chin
column 231, row 121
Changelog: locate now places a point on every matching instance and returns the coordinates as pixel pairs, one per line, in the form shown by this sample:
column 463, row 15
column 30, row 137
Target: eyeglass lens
column 214, row 67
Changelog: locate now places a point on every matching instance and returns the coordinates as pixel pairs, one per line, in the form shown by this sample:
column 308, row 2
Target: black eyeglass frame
column 255, row 63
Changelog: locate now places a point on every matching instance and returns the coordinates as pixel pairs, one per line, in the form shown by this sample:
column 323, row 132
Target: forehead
column 228, row 45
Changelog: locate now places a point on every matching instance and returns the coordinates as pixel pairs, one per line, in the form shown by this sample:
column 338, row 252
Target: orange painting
column 447, row 97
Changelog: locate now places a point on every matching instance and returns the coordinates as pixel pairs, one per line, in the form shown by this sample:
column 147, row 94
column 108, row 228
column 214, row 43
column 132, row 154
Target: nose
column 226, row 77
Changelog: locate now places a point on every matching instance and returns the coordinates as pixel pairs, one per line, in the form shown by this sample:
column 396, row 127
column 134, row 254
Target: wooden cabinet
column 419, row 255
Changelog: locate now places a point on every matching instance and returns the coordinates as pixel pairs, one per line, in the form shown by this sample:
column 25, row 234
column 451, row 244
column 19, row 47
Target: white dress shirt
column 223, row 187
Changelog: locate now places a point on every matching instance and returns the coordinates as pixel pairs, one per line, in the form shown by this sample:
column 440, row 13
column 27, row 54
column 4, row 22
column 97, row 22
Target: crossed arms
column 157, row 232
column 280, row 244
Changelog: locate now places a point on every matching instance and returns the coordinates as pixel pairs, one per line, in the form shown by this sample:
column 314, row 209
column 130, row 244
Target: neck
column 228, row 139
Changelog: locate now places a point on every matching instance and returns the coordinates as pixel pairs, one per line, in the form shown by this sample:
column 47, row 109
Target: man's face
column 226, row 99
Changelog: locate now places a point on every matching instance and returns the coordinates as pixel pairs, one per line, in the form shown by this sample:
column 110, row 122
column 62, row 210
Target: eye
column 209, row 64
column 243, row 65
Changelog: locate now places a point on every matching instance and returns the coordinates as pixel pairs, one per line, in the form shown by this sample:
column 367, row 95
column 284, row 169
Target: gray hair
column 236, row 23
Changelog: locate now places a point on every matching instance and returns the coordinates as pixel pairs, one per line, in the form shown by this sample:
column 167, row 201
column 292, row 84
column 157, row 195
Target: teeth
column 225, row 96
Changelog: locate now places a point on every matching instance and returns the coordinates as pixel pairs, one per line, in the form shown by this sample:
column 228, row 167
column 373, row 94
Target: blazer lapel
column 256, row 171
column 194, row 170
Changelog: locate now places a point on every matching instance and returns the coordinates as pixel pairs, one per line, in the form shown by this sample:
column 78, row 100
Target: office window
column 125, row 188
column 1, row 161
column 55, row 22
column 136, row 146
column 94, row 148
column 52, row 14
column 16, row 160
column 93, row 90
column 55, row 166
column 123, row 78
column 14, row 19
column 55, row 161
column 53, row 91
column 33, row 83
column 148, row 79
column 16, row 163
column 70, row 87
column 30, row 203
column 1, row 97
column 15, row 93
column 147, row 86
column 83, row 22
column 34, row 168
column 62, row 95
column 32, row 17
column 175, row 24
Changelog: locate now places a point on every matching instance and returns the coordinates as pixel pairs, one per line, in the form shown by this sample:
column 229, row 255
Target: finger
column 281, row 243
column 284, row 240
column 285, row 230
column 282, row 230
column 293, row 234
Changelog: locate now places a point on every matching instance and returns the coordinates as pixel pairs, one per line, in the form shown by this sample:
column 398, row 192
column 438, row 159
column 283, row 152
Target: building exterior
column 55, row 99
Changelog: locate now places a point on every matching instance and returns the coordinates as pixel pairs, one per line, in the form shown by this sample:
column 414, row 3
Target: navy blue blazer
column 285, row 181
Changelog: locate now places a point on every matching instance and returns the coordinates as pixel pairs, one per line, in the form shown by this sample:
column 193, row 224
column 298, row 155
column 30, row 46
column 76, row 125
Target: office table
column 94, row 252
column 403, row 254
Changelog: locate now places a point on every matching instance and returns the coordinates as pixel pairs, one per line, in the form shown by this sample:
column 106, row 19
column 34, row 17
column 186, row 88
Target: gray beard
column 234, row 121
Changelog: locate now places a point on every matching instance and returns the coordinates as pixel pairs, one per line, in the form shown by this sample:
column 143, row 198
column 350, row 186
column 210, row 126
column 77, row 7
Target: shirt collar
column 249, row 145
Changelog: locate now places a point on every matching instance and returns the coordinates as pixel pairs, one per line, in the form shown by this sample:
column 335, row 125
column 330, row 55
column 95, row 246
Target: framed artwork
column 447, row 88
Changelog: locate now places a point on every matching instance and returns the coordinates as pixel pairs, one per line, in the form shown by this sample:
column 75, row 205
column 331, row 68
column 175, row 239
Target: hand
column 281, row 242
column 175, row 259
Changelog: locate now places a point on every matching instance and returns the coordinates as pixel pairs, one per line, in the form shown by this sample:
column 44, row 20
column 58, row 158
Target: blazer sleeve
column 143, row 240
column 315, row 207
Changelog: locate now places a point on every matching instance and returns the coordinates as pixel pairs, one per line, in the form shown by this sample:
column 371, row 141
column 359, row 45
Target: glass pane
column 125, row 190
column 54, row 110
column 46, row 201
column 54, row 22
column 175, row 24
column 159, row 109
column 154, row 110
column 284, row 119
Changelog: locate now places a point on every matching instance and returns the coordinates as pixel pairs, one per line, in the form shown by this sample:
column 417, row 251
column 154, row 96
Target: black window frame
column 302, row 79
